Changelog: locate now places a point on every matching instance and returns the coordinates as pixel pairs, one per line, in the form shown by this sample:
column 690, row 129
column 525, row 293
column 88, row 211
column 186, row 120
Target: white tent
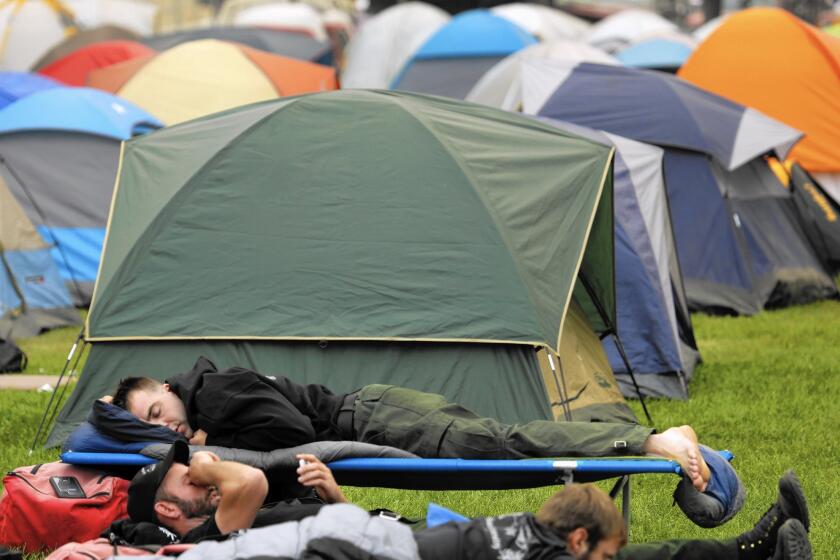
column 501, row 86
column 627, row 26
column 385, row 42
column 30, row 29
column 543, row 22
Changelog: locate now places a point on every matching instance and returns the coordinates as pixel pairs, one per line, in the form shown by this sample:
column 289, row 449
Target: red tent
column 74, row 68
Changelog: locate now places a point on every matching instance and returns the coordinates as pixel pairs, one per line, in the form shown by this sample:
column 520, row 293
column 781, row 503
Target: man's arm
column 242, row 489
column 241, row 410
column 312, row 473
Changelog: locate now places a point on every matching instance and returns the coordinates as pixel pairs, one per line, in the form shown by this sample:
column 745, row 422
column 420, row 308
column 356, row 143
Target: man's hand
column 199, row 471
column 199, row 437
column 315, row 474
column 107, row 398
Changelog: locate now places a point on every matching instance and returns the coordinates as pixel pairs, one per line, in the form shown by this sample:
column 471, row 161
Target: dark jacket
column 518, row 536
column 241, row 408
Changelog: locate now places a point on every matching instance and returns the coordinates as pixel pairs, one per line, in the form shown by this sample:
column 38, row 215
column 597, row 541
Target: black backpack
column 12, row 358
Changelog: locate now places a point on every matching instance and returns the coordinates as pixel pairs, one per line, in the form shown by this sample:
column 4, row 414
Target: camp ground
column 456, row 258
column 757, row 254
column 188, row 75
column 59, row 158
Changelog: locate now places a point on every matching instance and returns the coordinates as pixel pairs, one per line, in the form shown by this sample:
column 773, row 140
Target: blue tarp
column 16, row 85
column 79, row 110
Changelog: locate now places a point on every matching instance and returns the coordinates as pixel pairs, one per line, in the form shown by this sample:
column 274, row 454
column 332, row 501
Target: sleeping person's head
column 153, row 402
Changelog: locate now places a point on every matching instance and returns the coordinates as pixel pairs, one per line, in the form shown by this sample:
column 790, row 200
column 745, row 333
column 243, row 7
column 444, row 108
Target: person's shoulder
column 208, row 530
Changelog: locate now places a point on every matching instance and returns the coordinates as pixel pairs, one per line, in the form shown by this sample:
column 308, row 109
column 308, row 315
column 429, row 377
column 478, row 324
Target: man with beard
column 205, row 497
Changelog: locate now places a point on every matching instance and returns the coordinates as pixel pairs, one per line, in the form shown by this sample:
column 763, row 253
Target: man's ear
column 167, row 511
column 167, row 388
column 578, row 541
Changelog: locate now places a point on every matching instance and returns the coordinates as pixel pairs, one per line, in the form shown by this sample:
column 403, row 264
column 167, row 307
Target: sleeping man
column 243, row 409
column 202, row 497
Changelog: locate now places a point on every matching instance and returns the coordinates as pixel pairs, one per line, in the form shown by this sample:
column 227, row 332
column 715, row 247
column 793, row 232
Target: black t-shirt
column 278, row 513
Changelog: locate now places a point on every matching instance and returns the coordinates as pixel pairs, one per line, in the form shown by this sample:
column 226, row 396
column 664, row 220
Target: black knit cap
column 145, row 484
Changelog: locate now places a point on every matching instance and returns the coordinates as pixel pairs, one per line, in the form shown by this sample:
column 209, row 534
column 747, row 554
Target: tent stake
column 70, row 354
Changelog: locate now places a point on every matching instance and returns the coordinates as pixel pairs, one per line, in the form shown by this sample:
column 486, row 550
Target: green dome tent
column 356, row 237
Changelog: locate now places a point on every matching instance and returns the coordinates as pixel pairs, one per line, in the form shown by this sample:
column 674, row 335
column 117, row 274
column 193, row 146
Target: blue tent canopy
column 80, row 110
column 477, row 33
column 659, row 52
column 740, row 246
column 452, row 60
column 16, row 85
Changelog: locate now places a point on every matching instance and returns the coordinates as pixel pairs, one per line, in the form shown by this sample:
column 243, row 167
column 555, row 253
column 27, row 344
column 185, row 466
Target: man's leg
column 428, row 425
column 680, row 550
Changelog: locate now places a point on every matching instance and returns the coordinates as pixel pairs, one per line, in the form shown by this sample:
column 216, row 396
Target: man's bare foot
column 680, row 445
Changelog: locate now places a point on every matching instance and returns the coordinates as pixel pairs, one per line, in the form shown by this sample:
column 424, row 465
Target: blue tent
column 16, row 85
column 59, row 150
column 739, row 243
column 660, row 53
column 452, row 60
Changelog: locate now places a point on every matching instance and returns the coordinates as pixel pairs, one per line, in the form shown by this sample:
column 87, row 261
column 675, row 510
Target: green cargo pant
column 680, row 550
column 429, row 426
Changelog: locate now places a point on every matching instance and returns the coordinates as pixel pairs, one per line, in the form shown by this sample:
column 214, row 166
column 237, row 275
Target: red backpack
column 34, row 517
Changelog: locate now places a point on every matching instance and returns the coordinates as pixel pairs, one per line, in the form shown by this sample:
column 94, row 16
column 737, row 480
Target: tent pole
column 612, row 328
column 561, row 387
column 73, row 371
column 80, row 337
column 624, row 359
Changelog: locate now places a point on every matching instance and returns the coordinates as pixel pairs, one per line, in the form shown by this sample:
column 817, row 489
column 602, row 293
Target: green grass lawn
column 769, row 390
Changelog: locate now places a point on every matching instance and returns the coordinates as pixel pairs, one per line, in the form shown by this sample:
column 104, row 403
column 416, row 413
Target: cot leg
column 623, row 485
column 625, row 505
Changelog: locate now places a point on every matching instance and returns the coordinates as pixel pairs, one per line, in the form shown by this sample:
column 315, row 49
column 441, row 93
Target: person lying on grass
column 205, row 497
column 241, row 408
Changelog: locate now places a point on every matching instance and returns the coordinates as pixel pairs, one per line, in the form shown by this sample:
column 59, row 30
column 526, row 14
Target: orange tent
column 201, row 77
column 771, row 60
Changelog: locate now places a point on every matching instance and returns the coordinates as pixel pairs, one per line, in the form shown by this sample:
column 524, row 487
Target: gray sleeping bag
column 343, row 523
column 326, row 451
